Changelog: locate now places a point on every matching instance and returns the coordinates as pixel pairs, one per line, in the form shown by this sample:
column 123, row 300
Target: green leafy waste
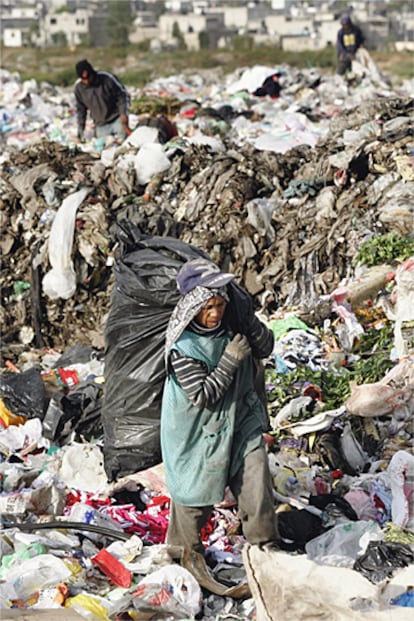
column 371, row 366
column 385, row 249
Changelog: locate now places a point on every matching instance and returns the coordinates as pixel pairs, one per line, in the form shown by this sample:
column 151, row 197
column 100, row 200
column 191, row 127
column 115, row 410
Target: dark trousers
column 344, row 65
column 253, row 488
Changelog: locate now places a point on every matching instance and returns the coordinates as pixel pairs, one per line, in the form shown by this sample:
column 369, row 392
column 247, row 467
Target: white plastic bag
column 142, row 135
column 82, row 468
column 260, row 212
column 373, row 399
column 183, row 588
column 149, row 161
column 35, row 574
column 60, row 281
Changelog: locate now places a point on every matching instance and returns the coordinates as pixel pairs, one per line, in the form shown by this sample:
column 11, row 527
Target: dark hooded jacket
column 349, row 41
column 106, row 99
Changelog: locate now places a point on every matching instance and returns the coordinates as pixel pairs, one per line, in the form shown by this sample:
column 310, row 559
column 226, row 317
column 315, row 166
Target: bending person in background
column 213, row 421
column 106, row 99
column 350, row 38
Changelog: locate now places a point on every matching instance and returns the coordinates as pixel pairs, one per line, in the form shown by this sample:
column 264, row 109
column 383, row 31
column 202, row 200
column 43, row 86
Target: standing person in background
column 350, row 38
column 213, row 423
column 106, row 99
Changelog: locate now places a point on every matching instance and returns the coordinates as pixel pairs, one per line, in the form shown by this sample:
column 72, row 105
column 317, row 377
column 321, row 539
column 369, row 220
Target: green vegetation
column 59, row 39
column 242, row 43
column 371, row 366
column 155, row 105
column 178, row 36
column 284, row 387
column 385, row 249
column 53, row 64
column 65, row 77
column 138, row 76
column 204, row 40
column 400, row 65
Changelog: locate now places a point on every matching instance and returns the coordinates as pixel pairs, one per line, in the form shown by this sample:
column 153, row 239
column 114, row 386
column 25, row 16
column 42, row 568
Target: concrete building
column 281, row 26
column 245, row 19
column 16, row 37
column 18, row 23
column 145, row 27
column 74, row 26
column 179, row 6
column 327, row 30
column 214, row 21
column 191, row 26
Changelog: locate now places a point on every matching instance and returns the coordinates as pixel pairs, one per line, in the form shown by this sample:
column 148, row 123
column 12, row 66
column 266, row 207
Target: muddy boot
column 196, row 565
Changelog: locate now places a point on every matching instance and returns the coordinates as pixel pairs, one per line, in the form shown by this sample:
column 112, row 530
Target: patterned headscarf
column 187, row 308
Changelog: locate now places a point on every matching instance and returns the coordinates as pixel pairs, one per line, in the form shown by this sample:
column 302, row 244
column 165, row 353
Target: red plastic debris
column 112, row 568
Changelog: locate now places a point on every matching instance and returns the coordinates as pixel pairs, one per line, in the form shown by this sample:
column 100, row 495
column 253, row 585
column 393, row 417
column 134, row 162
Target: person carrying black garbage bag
column 106, row 99
column 349, row 39
column 212, row 419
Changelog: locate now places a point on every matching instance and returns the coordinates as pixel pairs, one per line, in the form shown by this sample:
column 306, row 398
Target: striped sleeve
column 260, row 338
column 201, row 387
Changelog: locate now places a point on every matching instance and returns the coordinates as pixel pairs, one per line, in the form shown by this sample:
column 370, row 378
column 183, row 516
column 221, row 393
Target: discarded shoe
column 196, row 565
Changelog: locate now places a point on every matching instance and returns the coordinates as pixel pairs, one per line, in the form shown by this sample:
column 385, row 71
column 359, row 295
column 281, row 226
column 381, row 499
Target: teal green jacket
column 202, row 449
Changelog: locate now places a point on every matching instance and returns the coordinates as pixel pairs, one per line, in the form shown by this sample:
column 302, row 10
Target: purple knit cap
column 201, row 273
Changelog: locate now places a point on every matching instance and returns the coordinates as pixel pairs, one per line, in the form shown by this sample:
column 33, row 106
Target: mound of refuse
column 307, row 196
column 280, row 191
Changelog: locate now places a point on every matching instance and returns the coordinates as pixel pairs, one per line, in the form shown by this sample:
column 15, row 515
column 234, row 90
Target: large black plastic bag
column 144, row 295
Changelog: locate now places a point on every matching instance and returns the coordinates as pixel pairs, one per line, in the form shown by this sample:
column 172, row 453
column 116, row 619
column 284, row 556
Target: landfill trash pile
column 308, row 198
column 279, row 191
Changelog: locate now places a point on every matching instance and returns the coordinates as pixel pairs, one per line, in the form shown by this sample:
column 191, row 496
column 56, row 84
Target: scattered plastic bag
column 60, row 281
column 112, row 568
column 405, row 599
column 259, row 216
column 375, row 399
column 351, row 449
column 24, row 393
column 82, row 468
column 364, row 58
column 340, row 545
column 169, row 589
column 75, row 416
column 91, row 607
column 22, row 438
column 149, row 161
column 381, row 559
column 35, row 574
